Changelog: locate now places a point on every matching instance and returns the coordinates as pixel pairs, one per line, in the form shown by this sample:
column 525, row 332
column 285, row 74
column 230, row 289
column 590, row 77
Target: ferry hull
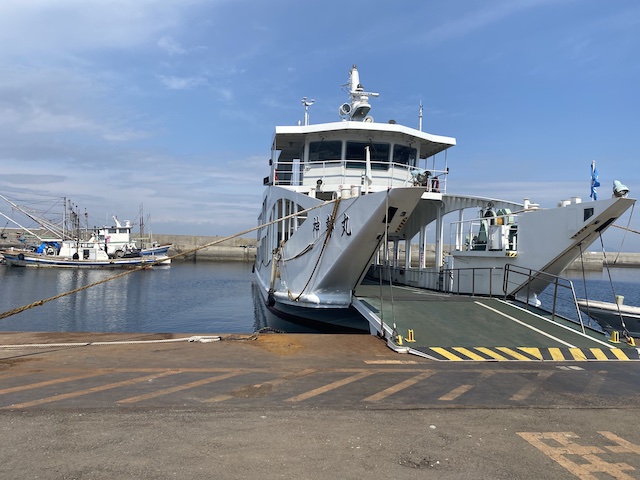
column 313, row 274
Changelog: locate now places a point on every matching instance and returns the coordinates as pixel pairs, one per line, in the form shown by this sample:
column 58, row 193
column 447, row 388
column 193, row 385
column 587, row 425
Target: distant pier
column 234, row 250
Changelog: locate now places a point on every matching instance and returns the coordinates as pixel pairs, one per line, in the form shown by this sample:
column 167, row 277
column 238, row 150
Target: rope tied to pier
column 196, row 339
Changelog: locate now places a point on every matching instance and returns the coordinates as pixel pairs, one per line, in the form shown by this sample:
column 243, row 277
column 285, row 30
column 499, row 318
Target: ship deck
column 450, row 327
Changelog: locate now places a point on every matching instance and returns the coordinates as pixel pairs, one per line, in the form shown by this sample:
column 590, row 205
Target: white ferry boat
column 339, row 191
column 334, row 192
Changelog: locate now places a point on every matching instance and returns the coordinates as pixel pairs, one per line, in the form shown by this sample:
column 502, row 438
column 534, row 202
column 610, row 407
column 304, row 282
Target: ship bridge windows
column 325, row 150
column 378, row 152
column 405, row 155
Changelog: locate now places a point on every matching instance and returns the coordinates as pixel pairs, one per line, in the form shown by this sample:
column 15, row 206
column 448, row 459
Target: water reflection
column 186, row 298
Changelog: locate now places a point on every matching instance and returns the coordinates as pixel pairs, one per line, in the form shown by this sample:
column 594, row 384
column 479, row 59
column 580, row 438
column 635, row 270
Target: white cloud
column 488, row 14
column 56, row 100
column 170, row 46
column 79, row 25
column 181, row 83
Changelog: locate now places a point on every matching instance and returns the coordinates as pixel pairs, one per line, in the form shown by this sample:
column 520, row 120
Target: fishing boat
column 613, row 316
column 105, row 247
column 339, row 194
column 118, row 242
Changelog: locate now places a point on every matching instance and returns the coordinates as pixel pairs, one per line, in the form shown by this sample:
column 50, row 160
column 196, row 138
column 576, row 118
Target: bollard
column 410, row 337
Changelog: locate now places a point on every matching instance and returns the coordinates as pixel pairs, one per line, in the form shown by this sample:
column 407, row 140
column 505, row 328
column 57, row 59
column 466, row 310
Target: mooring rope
column 330, row 224
column 626, row 229
column 625, row 332
column 198, row 339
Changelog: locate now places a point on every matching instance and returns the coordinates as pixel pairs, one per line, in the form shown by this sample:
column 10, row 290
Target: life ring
column 50, row 251
column 76, row 256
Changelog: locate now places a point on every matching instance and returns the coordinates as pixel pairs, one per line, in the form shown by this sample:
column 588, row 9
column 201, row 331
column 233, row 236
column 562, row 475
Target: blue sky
column 173, row 103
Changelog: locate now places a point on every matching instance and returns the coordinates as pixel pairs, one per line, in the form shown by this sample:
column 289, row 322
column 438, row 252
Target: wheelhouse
column 322, row 160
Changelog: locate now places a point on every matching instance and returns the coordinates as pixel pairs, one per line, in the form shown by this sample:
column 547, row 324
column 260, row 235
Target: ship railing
column 558, row 292
column 485, row 281
column 355, row 172
column 494, row 233
column 472, row 281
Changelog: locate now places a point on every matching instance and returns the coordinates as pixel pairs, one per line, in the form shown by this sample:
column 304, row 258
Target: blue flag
column 594, row 181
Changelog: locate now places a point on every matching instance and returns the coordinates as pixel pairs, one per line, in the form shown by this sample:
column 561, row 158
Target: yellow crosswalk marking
column 577, row 353
column 491, row 353
column 446, row 353
column 533, row 351
column 513, row 353
column 556, row 353
column 468, row 353
column 620, row 355
column 599, row 354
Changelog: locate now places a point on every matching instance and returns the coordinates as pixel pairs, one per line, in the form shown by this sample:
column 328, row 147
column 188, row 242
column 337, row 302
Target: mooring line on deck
column 195, row 338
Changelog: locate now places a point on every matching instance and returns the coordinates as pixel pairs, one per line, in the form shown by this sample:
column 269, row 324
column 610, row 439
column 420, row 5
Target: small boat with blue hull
column 155, row 250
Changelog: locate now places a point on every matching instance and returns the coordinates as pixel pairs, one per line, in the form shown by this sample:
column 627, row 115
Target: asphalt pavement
column 304, row 407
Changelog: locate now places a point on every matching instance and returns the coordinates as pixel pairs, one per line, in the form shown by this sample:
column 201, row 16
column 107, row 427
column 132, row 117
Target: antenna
column 420, row 117
column 307, row 104
column 358, row 107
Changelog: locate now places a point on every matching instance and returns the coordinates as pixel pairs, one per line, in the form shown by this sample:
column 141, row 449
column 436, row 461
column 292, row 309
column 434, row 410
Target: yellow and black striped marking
column 529, row 354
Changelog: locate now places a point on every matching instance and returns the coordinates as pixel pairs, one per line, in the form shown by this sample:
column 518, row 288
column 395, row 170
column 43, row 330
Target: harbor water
column 203, row 297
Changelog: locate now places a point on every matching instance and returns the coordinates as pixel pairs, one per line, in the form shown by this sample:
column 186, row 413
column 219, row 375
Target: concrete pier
column 304, row 406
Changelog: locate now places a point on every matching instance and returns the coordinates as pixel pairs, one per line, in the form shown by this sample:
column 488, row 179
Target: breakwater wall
column 596, row 260
column 235, row 250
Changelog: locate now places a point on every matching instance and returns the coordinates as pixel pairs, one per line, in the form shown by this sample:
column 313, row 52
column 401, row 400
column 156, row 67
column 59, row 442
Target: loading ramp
column 443, row 326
